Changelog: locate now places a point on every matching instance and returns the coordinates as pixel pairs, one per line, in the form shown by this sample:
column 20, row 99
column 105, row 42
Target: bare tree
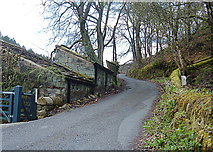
column 82, row 22
column 127, row 30
column 87, row 25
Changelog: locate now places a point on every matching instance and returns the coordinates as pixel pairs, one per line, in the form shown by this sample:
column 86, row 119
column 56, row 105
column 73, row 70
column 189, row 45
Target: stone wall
column 77, row 89
column 76, row 62
column 45, row 80
column 103, row 78
column 52, row 80
column 45, row 104
column 66, row 80
column 113, row 66
column 58, row 85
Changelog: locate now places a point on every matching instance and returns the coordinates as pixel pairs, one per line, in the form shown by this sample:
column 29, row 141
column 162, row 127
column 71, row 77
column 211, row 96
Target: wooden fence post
column 17, row 104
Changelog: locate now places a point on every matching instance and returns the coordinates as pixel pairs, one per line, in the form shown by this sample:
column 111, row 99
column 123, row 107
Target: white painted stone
column 183, row 80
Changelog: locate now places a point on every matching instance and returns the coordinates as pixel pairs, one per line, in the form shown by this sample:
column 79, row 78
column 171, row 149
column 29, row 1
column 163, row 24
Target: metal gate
column 6, row 106
column 17, row 106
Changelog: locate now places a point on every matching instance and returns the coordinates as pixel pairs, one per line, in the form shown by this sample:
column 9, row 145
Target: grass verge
column 181, row 120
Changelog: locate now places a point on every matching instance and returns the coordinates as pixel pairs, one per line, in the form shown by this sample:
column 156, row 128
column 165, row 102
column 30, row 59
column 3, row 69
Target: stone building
column 69, row 76
column 103, row 77
column 73, row 60
column 51, row 79
column 65, row 79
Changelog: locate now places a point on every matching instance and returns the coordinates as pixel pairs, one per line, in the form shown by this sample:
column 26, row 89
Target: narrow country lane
column 110, row 124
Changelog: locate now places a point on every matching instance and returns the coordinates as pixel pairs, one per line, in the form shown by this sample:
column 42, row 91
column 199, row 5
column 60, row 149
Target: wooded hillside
column 182, row 118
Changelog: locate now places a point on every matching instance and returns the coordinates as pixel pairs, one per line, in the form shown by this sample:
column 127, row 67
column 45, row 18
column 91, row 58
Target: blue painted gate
column 6, row 106
column 17, row 106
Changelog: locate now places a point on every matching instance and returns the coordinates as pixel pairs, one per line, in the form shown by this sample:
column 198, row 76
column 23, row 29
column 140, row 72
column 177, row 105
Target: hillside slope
column 182, row 118
column 163, row 64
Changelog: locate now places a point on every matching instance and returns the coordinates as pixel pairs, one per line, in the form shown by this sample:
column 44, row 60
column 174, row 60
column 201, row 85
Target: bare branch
column 113, row 34
column 107, row 16
column 77, row 41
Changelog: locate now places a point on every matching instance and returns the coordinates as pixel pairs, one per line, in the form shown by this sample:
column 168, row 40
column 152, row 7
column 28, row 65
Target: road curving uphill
column 111, row 124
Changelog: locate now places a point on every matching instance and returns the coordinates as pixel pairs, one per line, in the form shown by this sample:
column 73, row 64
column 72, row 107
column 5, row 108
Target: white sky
column 23, row 20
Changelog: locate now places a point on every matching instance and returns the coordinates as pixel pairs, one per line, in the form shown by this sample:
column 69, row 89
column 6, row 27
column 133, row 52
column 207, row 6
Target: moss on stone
column 199, row 64
column 57, row 100
column 77, row 73
column 198, row 109
column 45, row 101
column 175, row 78
column 84, row 76
column 75, row 53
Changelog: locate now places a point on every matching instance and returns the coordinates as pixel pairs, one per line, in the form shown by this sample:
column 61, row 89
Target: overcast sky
column 24, row 21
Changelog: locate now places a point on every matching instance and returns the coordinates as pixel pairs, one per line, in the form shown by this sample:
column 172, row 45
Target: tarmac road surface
column 110, row 124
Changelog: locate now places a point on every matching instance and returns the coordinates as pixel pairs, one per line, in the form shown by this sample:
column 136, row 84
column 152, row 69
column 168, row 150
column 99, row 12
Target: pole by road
column 110, row 124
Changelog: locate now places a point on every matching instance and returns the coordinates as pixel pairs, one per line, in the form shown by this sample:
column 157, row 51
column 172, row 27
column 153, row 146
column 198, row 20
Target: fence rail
column 17, row 106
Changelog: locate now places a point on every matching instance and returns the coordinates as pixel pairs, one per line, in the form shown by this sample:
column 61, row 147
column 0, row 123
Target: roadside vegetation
column 167, row 40
column 182, row 118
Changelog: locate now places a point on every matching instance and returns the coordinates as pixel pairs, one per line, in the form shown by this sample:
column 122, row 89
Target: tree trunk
column 175, row 43
column 100, row 37
column 188, row 23
column 160, row 43
column 209, row 7
column 157, row 39
column 133, row 44
column 138, row 53
column 84, row 33
column 114, row 50
column 145, row 43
